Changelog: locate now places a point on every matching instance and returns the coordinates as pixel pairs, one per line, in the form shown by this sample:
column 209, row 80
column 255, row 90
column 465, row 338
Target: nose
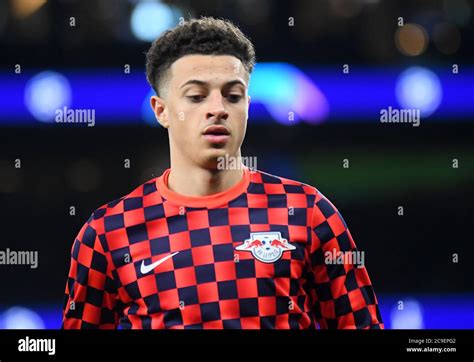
column 216, row 108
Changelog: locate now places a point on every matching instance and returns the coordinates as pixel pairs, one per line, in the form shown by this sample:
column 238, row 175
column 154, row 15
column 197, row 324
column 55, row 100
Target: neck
column 194, row 180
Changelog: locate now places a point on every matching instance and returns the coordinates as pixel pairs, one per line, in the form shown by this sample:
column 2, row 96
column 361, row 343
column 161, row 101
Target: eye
column 234, row 98
column 196, row 98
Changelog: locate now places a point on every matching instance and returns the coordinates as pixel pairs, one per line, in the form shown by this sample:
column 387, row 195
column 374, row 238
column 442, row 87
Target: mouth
column 216, row 134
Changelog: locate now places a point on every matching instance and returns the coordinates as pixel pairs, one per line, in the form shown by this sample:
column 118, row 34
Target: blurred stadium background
column 90, row 55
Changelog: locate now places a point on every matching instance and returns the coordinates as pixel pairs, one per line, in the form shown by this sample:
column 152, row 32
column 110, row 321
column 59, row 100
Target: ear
column 158, row 106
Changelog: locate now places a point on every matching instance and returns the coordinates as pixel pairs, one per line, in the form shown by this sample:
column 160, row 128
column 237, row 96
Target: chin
column 210, row 159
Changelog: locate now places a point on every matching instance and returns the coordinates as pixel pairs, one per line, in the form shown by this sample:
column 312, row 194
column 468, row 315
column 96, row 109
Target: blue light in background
column 419, row 88
column 45, row 93
column 283, row 88
column 315, row 95
column 151, row 18
column 358, row 96
column 21, row 318
column 452, row 311
column 407, row 314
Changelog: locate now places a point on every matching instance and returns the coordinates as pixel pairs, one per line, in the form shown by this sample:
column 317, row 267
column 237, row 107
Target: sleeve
column 343, row 294
column 90, row 297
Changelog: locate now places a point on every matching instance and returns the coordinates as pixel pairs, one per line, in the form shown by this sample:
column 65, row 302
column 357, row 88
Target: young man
column 204, row 246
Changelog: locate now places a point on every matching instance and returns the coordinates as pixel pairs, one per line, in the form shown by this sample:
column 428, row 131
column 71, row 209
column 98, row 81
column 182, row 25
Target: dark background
column 409, row 257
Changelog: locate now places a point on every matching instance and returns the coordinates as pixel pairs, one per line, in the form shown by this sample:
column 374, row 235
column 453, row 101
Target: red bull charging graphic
column 267, row 247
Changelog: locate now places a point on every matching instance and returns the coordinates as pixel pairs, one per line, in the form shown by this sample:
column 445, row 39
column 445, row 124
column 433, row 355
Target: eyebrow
column 202, row 83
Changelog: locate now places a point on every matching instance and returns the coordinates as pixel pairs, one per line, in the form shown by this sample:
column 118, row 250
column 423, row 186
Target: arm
column 343, row 294
column 90, row 291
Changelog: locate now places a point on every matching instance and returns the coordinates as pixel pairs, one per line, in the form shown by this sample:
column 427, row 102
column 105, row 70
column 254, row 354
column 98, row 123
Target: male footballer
column 209, row 247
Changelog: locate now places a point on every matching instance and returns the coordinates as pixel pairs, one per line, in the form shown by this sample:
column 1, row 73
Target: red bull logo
column 267, row 247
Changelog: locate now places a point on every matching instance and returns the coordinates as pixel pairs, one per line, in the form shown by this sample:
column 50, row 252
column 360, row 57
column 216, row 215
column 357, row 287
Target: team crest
column 267, row 247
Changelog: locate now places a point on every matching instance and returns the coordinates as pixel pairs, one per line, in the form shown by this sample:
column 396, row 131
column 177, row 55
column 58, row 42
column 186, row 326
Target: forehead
column 209, row 68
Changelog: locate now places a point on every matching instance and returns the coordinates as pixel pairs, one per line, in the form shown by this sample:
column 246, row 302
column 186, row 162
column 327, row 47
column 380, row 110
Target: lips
column 216, row 131
column 217, row 135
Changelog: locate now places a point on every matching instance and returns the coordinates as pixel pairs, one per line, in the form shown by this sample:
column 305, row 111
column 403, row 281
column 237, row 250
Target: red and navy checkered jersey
column 252, row 257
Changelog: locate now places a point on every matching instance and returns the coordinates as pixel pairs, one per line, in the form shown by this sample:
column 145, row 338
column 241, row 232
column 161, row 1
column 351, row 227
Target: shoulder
column 109, row 216
column 315, row 198
column 272, row 183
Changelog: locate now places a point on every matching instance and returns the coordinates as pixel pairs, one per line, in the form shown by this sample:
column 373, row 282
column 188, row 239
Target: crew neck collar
column 209, row 201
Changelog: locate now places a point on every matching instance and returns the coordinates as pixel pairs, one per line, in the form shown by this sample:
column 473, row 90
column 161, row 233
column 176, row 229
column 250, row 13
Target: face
column 204, row 106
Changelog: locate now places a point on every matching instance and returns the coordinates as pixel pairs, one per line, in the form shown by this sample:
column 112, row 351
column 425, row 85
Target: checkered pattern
column 209, row 284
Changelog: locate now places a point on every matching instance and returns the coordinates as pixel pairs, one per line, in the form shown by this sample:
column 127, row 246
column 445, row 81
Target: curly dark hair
column 207, row 35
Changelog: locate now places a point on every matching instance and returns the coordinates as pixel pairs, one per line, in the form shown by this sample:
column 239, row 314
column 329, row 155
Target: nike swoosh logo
column 144, row 269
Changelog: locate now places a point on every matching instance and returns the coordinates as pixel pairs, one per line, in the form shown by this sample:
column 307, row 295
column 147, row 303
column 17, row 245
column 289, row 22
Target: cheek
column 186, row 127
column 178, row 112
column 241, row 123
column 180, row 117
